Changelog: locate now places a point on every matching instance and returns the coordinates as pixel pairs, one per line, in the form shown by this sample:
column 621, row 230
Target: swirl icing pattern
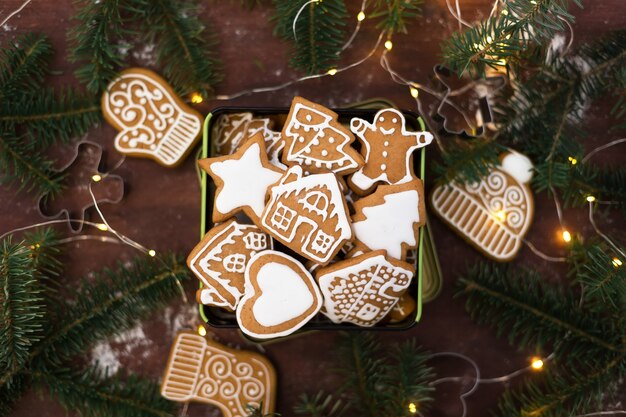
column 152, row 121
column 205, row 371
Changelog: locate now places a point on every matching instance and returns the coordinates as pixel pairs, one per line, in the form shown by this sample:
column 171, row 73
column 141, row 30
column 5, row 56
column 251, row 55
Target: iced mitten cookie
column 308, row 214
column 153, row 122
column 280, row 296
column 242, row 180
column 220, row 259
column 390, row 218
column 493, row 214
column 205, row 371
column 362, row 290
column 317, row 141
column 387, row 150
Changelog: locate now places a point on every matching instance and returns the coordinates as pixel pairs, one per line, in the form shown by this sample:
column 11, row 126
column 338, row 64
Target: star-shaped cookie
column 242, row 180
column 387, row 149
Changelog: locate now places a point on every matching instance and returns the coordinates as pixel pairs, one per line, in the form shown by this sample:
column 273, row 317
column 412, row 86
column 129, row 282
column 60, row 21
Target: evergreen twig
column 320, row 405
column 23, row 65
column 395, row 14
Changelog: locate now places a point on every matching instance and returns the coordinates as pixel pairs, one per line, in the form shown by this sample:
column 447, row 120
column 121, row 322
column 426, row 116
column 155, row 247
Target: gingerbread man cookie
column 205, row 371
column 387, row 150
column 315, row 140
column 153, row 121
column 242, row 180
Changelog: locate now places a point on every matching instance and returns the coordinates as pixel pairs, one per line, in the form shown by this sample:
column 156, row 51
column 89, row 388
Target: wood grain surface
column 161, row 206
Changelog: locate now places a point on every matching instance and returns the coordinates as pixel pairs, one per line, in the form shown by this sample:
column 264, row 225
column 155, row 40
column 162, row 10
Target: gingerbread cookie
column 153, row 122
column 308, row 214
column 362, row 290
column 242, row 180
column 317, row 141
column 205, row 371
column 229, row 128
column 493, row 214
column 280, row 296
column 387, row 150
column 390, row 218
column 220, row 259
column 404, row 308
column 274, row 142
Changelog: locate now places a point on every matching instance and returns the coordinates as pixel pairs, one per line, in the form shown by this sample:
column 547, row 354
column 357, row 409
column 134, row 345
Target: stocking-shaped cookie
column 387, row 149
column 205, row 371
column 153, row 121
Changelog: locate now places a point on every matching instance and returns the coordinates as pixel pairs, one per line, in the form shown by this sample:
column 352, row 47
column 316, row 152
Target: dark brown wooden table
column 161, row 206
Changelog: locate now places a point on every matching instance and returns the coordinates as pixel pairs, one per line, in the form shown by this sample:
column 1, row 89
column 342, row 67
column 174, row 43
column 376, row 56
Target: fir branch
column 24, row 65
column 92, row 42
column 601, row 278
column 394, row 14
column 365, row 372
column 26, row 167
column 93, row 395
column 564, row 392
column 320, row 32
column 534, row 313
column 44, row 253
column 49, row 117
column 320, row 405
column 116, row 301
column 183, row 43
column 10, row 393
column 22, row 309
column 469, row 161
column 521, row 24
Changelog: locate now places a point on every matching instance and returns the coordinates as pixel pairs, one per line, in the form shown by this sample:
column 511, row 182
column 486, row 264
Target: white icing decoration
column 481, row 203
column 284, row 292
column 205, row 371
column 284, row 297
column 307, row 155
column 129, row 108
column 388, row 225
column 518, row 166
column 245, row 181
column 303, row 213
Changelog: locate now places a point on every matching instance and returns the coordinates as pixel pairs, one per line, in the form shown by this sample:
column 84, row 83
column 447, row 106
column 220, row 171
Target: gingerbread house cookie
column 308, row 214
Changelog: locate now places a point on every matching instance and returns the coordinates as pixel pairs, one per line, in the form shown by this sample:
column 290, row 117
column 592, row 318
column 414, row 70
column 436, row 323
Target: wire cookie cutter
column 85, row 165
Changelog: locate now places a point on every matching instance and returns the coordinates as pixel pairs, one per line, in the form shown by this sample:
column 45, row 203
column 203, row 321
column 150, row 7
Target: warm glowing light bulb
column 332, row 71
column 96, row 177
column 196, row 98
column 572, row 160
column 361, row 16
column 102, row 227
column 591, row 198
column 617, row 262
column 567, row 236
column 414, row 92
column 412, row 408
column 501, row 62
column 152, row 252
column 201, row 330
column 388, row 44
column 536, row 363
column 501, row 215
column 505, row 12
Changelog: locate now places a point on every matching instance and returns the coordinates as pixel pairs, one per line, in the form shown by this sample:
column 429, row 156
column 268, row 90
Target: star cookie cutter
column 85, row 164
column 445, row 118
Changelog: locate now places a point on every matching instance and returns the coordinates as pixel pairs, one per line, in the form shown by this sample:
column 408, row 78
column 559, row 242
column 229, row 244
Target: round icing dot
column 124, row 85
column 142, row 101
column 394, row 120
column 331, row 140
column 116, row 111
column 171, row 120
column 385, row 154
column 151, row 117
column 308, row 118
column 381, row 118
column 324, row 152
column 315, row 141
column 159, row 135
column 386, row 143
column 301, row 139
column 383, row 167
column 153, row 146
column 518, row 166
column 135, row 133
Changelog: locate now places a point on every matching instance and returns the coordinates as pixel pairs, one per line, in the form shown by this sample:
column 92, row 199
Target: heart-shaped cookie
column 280, row 296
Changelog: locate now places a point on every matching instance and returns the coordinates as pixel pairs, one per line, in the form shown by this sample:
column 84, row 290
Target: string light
column 617, row 262
column 332, row 71
column 414, row 92
column 96, row 178
column 388, row 44
column 152, row 252
column 361, row 16
column 412, row 408
column 196, row 98
column 102, row 227
column 572, row 160
column 201, row 330
column 591, row 198
column 536, row 363
column 567, row 236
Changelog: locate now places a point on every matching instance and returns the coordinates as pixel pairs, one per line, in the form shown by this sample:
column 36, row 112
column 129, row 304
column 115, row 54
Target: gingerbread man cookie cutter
column 83, row 182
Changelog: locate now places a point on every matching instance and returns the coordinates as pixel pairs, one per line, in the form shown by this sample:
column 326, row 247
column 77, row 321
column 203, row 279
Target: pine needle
column 23, row 65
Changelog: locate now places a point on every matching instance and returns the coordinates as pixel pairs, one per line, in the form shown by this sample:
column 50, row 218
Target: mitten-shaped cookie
column 153, row 122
